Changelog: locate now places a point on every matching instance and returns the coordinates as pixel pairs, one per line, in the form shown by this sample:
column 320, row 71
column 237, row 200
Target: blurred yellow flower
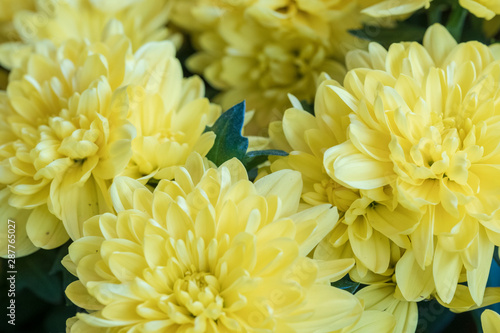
column 208, row 252
column 9, row 9
column 490, row 321
column 482, row 8
column 169, row 112
column 261, row 50
column 423, row 121
column 382, row 8
column 61, row 20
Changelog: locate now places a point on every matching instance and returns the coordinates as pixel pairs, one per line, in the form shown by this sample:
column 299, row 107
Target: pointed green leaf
column 346, row 284
column 254, row 158
column 229, row 142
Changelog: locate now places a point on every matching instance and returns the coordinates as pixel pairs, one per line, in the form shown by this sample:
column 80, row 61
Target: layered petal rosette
column 259, row 51
column 373, row 224
column 78, row 115
column 423, row 121
column 405, row 149
column 168, row 111
column 208, row 252
column 70, row 134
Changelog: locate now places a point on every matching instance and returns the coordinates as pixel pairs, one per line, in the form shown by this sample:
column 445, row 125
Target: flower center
column 199, row 294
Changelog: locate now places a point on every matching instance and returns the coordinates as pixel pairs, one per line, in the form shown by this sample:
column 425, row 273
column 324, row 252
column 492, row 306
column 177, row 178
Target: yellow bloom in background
column 490, row 321
column 9, row 9
column 423, row 121
column 482, row 8
column 383, row 8
column 61, row 20
column 208, row 252
column 261, row 50
column 169, row 113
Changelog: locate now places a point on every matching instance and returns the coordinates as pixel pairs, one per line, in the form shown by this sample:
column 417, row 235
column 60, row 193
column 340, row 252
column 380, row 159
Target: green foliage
column 346, row 284
column 229, row 142
column 433, row 317
column 40, row 303
column 387, row 36
column 462, row 25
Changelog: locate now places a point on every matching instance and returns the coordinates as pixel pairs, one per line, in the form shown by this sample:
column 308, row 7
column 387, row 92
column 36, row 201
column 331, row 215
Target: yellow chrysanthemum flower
column 306, row 16
column 208, row 252
column 61, row 20
column 490, row 321
column 261, row 50
column 367, row 216
column 72, row 113
column 382, row 8
column 69, row 134
column 169, row 113
column 423, row 121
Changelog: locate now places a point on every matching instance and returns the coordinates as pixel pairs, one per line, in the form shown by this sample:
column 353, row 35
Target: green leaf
column 254, row 158
column 455, row 24
column 346, row 284
column 496, row 256
column 403, row 32
column 229, row 142
column 433, row 317
column 309, row 107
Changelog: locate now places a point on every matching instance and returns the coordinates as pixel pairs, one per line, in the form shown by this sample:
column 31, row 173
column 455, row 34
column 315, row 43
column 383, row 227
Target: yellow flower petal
column 490, row 321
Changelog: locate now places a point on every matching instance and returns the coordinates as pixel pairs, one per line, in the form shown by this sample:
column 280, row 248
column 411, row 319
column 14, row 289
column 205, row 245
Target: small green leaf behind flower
column 230, row 143
column 346, row 284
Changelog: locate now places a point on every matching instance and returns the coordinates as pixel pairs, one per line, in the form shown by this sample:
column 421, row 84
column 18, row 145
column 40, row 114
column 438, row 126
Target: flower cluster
column 61, row 20
column 262, row 50
column 406, row 149
column 366, row 196
column 209, row 252
column 80, row 114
